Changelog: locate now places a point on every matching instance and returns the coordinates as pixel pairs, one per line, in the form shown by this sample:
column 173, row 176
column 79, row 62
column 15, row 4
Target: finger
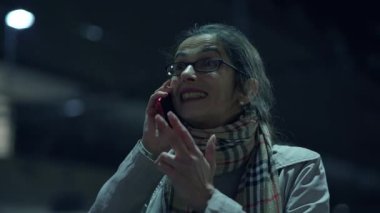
column 151, row 108
column 162, row 91
column 174, row 81
column 161, row 122
column 166, row 162
column 210, row 153
column 171, row 173
column 165, row 87
column 188, row 142
column 179, row 145
column 162, row 126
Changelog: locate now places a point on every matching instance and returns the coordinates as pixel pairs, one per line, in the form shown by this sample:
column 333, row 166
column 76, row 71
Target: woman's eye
column 209, row 63
column 180, row 66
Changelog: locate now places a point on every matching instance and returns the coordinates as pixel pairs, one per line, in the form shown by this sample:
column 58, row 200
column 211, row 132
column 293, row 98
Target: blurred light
column 6, row 130
column 19, row 19
column 73, row 108
column 91, row 32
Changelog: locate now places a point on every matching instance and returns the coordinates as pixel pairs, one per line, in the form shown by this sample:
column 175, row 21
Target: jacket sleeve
column 131, row 186
column 307, row 187
column 306, row 190
column 219, row 203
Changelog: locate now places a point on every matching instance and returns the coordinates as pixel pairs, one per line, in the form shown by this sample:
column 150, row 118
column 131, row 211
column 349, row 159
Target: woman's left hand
column 190, row 171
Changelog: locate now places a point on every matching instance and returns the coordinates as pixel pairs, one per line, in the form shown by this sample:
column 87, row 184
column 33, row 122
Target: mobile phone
column 163, row 105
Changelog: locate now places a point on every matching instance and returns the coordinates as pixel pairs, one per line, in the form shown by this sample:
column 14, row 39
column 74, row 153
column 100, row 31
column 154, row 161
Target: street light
column 15, row 21
column 19, row 19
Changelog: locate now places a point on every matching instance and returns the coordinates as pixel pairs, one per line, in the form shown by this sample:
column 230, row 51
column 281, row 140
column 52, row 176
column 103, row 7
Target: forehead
column 200, row 44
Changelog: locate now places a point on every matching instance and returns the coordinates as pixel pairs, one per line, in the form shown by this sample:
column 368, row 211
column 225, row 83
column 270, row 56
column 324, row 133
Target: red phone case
column 158, row 107
column 163, row 105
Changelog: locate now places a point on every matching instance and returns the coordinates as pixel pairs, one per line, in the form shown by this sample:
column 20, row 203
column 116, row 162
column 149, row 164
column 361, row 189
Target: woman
column 215, row 153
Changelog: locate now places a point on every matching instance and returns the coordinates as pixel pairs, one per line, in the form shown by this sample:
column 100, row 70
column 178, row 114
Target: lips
column 192, row 94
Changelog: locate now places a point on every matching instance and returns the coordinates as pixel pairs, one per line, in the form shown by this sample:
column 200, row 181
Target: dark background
column 77, row 83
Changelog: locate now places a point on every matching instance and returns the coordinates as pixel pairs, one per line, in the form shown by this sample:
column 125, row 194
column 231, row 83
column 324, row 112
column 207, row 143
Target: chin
column 193, row 117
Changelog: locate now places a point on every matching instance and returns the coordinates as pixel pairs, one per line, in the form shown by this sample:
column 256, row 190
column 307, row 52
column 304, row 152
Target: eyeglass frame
column 220, row 61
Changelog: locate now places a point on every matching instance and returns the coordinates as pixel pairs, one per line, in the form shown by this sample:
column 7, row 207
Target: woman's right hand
column 149, row 138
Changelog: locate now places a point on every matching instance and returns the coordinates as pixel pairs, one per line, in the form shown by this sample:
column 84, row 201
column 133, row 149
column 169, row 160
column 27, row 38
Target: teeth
column 191, row 95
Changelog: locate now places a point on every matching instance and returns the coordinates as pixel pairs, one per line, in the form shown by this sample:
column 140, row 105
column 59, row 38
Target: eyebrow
column 205, row 49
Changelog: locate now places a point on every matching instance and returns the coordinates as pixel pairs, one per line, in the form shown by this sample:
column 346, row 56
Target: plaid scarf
column 242, row 143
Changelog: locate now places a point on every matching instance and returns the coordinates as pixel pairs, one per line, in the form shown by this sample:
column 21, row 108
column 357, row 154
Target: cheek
column 227, row 90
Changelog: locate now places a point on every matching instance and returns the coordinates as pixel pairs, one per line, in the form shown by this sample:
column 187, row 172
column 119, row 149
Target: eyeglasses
column 201, row 66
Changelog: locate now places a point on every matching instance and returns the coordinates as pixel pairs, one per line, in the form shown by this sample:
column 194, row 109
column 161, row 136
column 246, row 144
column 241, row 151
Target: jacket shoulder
column 284, row 155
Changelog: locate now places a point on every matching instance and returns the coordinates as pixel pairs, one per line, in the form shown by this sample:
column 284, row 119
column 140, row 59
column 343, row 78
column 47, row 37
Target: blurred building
column 73, row 90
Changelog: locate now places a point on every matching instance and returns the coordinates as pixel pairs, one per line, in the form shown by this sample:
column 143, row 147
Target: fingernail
column 173, row 80
column 170, row 113
column 213, row 139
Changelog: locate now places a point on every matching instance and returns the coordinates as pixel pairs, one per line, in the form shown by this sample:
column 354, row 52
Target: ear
column 251, row 88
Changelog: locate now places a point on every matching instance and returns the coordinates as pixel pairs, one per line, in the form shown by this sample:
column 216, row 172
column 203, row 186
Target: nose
column 188, row 74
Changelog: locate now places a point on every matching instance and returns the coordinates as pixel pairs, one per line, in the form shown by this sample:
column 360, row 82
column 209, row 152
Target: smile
column 193, row 96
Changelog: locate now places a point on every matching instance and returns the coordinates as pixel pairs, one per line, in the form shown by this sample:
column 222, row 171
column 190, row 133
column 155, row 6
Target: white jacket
column 136, row 186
